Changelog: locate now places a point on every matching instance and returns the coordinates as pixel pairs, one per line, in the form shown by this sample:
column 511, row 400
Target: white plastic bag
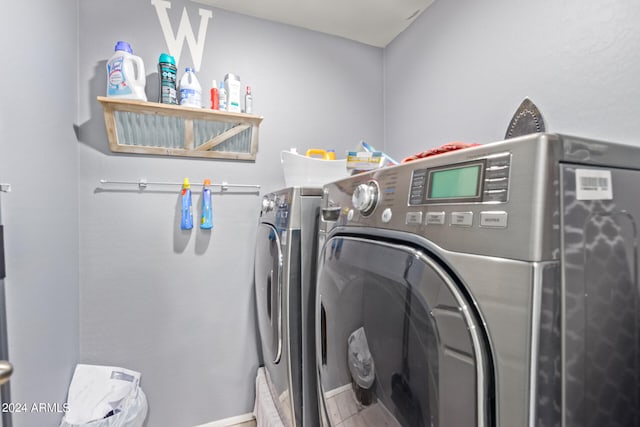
column 132, row 413
column 105, row 396
column 361, row 364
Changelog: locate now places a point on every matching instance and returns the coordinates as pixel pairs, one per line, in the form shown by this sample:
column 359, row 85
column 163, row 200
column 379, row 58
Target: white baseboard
column 244, row 420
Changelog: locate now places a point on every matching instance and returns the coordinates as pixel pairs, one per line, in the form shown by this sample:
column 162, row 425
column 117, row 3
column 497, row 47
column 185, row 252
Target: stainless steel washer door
column 423, row 342
column 271, row 292
column 268, row 285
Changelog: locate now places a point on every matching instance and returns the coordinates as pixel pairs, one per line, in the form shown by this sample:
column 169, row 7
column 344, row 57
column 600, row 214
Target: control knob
column 267, row 204
column 365, row 197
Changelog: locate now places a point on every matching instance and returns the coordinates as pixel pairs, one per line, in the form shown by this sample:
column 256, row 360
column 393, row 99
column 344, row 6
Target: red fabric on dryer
column 450, row 146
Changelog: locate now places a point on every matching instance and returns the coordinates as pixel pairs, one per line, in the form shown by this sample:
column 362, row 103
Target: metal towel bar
column 142, row 183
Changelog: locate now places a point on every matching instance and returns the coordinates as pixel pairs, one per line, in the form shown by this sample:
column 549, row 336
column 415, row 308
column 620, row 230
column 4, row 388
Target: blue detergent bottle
column 168, row 73
column 206, row 220
column 186, row 222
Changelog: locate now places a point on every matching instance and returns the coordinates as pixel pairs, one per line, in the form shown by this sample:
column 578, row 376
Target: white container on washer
column 232, row 85
column 303, row 171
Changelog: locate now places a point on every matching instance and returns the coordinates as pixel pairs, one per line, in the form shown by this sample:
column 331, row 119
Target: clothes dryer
column 284, row 278
column 491, row 286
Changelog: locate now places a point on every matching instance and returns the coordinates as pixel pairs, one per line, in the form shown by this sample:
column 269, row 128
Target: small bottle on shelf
column 190, row 90
column 248, row 101
column 215, row 97
column 222, row 97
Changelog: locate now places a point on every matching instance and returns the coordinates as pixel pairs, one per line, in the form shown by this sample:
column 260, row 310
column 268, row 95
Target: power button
column 386, row 215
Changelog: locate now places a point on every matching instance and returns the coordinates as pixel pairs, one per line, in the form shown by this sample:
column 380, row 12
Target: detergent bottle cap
column 207, row 182
column 166, row 58
column 185, row 184
column 124, row 46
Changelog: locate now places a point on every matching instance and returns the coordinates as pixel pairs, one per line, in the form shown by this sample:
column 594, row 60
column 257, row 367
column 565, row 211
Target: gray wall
column 38, row 157
column 463, row 67
column 178, row 306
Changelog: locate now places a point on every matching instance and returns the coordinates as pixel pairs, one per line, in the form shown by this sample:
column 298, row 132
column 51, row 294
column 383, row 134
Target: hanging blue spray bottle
column 206, row 220
column 186, row 222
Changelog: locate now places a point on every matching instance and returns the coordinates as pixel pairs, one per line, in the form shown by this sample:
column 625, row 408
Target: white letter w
column 185, row 32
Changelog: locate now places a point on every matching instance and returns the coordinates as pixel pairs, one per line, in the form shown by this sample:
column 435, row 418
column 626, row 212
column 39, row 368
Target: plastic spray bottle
column 215, row 99
column 206, row 220
column 248, row 101
column 186, row 222
column 222, row 97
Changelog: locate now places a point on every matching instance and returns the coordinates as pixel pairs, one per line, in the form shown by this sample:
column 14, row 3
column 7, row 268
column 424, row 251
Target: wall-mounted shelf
column 172, row 130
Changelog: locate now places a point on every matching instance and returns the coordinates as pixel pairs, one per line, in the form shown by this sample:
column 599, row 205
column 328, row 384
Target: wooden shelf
column 172, row 130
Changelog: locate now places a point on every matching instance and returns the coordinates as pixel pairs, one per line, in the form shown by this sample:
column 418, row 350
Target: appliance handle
column 279, row 310
column 269, row 294
column 6, row 370
column 323, row 333
column 2, row 263
column 330, row 214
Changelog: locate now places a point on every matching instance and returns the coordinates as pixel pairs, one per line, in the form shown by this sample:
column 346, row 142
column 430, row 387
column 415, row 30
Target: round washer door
column 270, row 281
column 268, row 286
column 398, row 341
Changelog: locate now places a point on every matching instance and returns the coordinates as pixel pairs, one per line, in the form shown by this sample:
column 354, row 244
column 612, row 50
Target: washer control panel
column 276, row 209
column 485, row 219
column 492, row 199
column 485, row 180
column 466, row 195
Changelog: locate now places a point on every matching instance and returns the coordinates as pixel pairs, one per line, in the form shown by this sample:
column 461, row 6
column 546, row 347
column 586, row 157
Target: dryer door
column 398, row 342
column 268, row 284
column 271, row 282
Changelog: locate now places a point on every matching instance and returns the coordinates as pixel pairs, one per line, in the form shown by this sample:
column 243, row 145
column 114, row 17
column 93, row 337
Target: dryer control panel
column 492, row 199
column 482, row 180
column 276, row 209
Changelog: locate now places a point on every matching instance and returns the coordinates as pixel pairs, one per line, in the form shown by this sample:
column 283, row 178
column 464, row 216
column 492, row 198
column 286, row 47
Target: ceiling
column 373, row 22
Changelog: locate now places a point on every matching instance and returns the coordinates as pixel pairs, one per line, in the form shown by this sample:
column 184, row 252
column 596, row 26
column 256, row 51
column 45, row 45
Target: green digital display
column 454, row 183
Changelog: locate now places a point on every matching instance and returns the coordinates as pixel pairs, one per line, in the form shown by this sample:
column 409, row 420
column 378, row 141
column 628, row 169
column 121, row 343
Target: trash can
column 361, row 366
column 105, row 396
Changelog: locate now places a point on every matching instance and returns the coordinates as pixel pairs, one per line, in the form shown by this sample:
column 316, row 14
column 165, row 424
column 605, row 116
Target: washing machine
column 491, row 286
column 284, row 279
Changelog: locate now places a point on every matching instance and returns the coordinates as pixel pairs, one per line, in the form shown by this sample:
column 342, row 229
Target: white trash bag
column 105, row 396
column 361, row 366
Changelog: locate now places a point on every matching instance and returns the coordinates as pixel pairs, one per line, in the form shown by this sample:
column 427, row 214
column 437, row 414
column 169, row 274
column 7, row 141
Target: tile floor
column 345, row 411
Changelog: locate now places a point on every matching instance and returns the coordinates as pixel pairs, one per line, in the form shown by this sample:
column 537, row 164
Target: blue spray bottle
column 186, row 222
column 206, row 220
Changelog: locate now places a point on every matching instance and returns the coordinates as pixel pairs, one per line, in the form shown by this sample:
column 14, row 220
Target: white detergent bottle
column 222, row 97
column 190, row 89
column 125, row 74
